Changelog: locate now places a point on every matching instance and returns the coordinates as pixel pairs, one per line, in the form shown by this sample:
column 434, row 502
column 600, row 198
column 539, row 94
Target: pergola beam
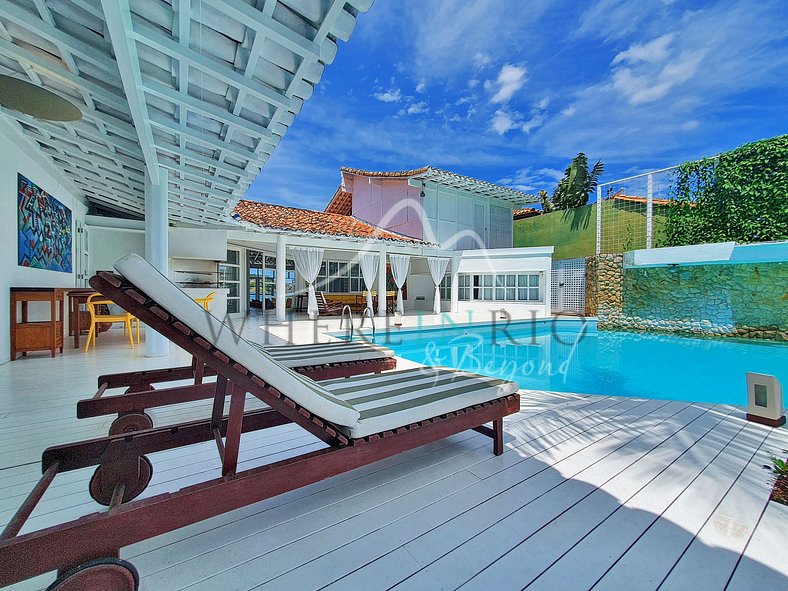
column 118, row 18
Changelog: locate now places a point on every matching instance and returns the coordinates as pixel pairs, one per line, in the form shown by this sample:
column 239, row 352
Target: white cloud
column 510, row 79
column 530, row 180
column 421, row 86
column 535, row 121
column 415, row 108
column 652, row 52
column 568, row 112
column 503, row 120
column 647, row 72
column 473, row 83
column 463, row 99
column 481, row 60
column 690, row 125
column 393, row 95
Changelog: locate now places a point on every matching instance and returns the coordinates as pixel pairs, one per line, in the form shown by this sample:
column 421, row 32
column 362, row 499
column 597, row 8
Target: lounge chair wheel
column 106, row 476
column 102, row 574
column 130, row 422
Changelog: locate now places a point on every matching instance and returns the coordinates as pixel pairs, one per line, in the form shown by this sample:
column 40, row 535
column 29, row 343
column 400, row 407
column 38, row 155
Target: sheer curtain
column 307, row 263
column 400, row 264
column 437, row 270
column 369, row 270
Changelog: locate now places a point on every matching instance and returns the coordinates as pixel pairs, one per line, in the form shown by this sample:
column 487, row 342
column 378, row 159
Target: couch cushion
column 322, row 353
column 398, row 398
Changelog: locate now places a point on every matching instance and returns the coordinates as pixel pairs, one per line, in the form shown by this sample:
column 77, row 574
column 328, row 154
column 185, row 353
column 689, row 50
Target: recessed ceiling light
column 36, row 101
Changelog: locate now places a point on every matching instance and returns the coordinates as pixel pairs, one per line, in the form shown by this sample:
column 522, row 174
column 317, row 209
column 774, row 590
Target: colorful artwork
column 44, row 229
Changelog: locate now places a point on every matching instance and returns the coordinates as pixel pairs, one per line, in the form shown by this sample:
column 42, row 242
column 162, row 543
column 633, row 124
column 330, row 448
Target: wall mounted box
column 764, row 400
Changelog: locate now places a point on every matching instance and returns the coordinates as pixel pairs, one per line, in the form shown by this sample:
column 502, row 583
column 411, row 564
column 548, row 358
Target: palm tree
column 578, row 183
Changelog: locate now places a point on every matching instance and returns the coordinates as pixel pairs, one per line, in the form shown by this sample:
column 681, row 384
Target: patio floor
column 592, row 492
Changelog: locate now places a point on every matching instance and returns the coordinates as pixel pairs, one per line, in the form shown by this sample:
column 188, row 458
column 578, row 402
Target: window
column 356, row 281
column 487, row 292
column 338, row 277
column 464, row 283
column 500, row 287
column 445, row 287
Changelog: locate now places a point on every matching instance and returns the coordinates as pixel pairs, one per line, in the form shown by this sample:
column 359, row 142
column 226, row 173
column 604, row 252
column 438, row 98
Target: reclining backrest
column 170, row 297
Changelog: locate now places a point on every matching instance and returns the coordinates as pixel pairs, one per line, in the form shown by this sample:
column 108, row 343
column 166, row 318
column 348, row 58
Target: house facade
column 421, row 213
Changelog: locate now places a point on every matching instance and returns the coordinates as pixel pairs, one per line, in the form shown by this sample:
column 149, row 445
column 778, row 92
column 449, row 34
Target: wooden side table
column 44, row 335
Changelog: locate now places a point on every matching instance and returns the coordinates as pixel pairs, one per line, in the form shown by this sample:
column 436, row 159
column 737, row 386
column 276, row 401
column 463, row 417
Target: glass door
column 230, row 278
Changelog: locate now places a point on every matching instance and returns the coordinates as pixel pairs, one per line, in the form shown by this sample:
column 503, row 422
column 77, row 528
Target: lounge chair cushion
column 300, row 389
column 322, row 353
column 399, row 398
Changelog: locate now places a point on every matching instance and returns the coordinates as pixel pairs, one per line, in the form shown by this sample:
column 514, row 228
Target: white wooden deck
column 592, row 492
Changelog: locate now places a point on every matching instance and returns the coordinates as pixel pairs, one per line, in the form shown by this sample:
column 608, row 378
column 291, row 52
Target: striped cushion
column 399, row 398
column 322, row 353
column 308, row 393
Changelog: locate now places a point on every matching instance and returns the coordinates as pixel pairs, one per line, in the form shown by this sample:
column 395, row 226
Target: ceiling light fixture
column 36, row 101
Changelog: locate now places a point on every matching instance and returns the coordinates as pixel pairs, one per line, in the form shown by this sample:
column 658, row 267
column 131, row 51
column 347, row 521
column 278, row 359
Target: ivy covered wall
column 740, row 195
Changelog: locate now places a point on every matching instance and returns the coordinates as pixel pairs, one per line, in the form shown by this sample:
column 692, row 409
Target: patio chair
column 98, row 307
column 206, row 301
column 361, row 420
column 327, row 307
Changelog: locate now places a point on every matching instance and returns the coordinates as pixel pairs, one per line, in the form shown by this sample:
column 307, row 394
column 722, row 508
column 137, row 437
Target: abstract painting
column 44, row 229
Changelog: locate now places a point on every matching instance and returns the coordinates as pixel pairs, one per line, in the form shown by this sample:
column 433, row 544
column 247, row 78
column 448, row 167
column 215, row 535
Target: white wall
column 453, row 217
column 18, row 155
column 107, row 245
column 509, row 260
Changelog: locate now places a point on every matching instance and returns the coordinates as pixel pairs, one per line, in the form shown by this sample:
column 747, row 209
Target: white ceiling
column 202, row 88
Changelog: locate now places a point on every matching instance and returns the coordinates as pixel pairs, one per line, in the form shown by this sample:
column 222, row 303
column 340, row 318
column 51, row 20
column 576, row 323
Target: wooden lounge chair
column 326, row 307
column 361, row 420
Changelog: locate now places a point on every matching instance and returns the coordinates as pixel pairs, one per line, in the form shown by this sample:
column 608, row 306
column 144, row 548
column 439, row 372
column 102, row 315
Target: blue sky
column 510, row 91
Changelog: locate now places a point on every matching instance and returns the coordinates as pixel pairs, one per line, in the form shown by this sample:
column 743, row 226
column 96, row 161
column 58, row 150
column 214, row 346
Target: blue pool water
column 571, row 356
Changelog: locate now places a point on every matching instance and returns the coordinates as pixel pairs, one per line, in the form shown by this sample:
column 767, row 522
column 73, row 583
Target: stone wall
column 736, row 300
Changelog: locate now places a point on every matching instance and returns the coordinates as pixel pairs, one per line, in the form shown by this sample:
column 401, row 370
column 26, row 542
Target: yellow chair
column 96, row 318
column 206, row 300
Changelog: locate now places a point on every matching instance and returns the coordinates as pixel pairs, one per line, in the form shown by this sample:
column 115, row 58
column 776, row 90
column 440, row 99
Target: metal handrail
column 371, row 318
column 350, row 316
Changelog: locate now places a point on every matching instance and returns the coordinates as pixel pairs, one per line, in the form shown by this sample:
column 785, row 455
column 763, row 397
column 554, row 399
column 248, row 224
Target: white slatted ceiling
column 220, row 81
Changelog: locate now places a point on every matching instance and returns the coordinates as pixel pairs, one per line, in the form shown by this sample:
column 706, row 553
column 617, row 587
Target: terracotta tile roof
column 526, row 212
column 341, row 202
column 620, row 196
column 390, row 174
column 292, row 219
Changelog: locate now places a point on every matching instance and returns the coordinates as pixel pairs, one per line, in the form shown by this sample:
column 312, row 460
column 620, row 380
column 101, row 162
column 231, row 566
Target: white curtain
column 437, row 270
column 369, row 270
column 307, row 263
column 400, row 264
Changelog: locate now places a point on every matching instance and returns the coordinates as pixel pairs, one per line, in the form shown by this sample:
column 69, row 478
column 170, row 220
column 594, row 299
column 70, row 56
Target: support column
column 156, row 249
column 455, row 285
column 382, row 283
column 281, row 258
column 598, row 219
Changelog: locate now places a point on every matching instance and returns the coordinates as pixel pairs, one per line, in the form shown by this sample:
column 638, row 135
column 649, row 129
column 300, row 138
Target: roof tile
column 292, row 219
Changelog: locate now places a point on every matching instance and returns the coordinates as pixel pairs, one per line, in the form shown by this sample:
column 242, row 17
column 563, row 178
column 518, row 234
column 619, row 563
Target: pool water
column 572, row 356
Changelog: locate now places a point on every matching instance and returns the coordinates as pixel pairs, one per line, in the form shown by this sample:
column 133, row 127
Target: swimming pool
column 572, row 356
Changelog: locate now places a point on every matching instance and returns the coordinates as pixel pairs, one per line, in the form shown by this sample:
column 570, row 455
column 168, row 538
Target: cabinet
column 36, row 335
